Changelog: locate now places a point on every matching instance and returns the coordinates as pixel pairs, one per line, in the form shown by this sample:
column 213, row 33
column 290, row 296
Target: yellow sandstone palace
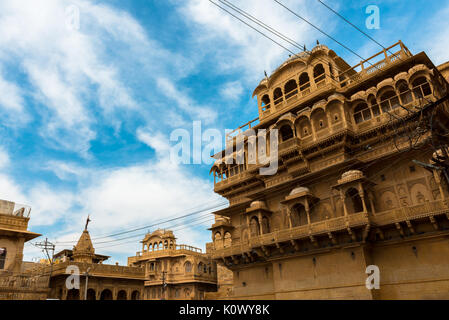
column 362, row 181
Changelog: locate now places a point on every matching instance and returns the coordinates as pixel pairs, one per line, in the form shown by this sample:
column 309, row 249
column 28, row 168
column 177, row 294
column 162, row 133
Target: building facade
column 15, row 283
column 104, row 281
column 172, row 271
column 362, row 180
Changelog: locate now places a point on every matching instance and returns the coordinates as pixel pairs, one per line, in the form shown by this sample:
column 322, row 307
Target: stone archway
column 106, row 294
column 121, row 295
column 73, row 294
column 91, row 294
column 135, row 295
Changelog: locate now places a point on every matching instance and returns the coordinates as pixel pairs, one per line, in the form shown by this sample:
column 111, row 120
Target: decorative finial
column 87, row 222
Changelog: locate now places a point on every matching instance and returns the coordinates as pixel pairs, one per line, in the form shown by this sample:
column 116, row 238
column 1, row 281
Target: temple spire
column 87, row 222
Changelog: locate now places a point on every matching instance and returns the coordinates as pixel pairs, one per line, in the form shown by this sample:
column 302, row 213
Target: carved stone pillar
column 259, row 216
column 362, row 196
column 438, row 181
column 289, row 216
column 306, row 203
column 342, row 197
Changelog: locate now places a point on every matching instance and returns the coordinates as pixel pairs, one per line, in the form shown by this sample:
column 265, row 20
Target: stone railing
column 13, row 222
column 23, row 282
column 102, row 270
column 419, row 211
column 321, row 227
column 180, row 250
column 372, row 65
column 289, row 145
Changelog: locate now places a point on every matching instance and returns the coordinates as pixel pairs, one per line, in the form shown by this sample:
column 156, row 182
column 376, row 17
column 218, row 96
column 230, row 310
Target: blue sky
column 86, row 114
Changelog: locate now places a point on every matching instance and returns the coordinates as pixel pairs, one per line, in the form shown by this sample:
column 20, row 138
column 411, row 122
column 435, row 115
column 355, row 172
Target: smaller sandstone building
column 15, row 283
column 172, row 271
column 104, row 281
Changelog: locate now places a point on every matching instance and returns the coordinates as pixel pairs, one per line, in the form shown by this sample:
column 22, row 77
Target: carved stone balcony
column 420, row 211
column 296, row 233
column 231, row 181
column 289, row 146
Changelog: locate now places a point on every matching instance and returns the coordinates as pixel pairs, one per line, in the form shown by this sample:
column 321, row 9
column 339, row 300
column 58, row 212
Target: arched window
column 353, row 201
column 254, row 227
column 374, row 106
column 227, row 239
column 217, row 240
column 265, row 225
column 404, row 93
column 304, row 81
column 73, row 294
column 277, row 96
column 286, row 132
column 318, row 73
column 121, row 295
column 304, row 127
column 265, row 102
column 188, row 267
column 2, row 258
column 298, row 215
column 166, row 244
column 135, row 295
column 362, row 113
column 200, row 267
column 421, row 87
column 290, row 89
column 389, row 100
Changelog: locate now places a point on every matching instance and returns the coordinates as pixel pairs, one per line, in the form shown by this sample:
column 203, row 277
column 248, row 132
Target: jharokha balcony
column 172, row 251
column 329, row 228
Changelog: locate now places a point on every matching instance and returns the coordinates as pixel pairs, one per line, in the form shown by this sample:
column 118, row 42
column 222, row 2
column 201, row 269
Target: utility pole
column 87, row 281
column 164, row 284
column 46, row 246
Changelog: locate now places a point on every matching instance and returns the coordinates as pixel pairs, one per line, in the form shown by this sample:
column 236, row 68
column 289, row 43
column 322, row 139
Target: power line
column 362, row 32
column 353, row 25
column 174, row 229
column 317, row 28
column 268, row 28
column 154, row 224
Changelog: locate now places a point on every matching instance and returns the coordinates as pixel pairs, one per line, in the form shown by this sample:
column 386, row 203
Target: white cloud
column 238, row 47
column 73, row 74
column 185, row 103
column 10, row 96
column 232, row 90
column 4, row 158
column 48, row 205
column 435, row 43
